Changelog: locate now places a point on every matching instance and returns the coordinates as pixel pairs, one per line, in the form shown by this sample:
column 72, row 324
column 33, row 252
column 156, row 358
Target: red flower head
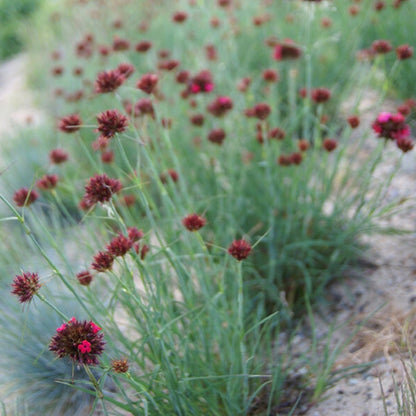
column 58, row 156
column 277, row 134
column 24, row 197
column 303, row 145
column 85, row 277
column 296, row 158
column 320, row 95
column 171, row 173
column 179, row 17
column 244, row 84
column 168, row 65
column 25, row 286
column 284, row 160
column 70, row 123
column 100, row 188
column 47, row 182
column 261, row 111
column 391, row 126
column 135, row 234
column 193, row 222
column 353, row 121
column 120, row 44
column 216, row 136
column 147, row 83
column 329, row 144
column 144, row 106
column 286, row 50
column 108, row 81
column 201, row 83
column 405, row 144
column 197, row 119
column 270, row 75
column 211, row 52
column 125, row 69
column 111, row 122
column 143, row 46
column 119, row 246
column 404, row 52
column 220, row 106
column 239, row 249
column 381, row 46
column 82, row 342
column 103, row 261
column 107, row 156
column 379, row 5
column 182, row 77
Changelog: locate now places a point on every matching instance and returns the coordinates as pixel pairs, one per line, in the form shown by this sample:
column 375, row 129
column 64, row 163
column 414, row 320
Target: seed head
column 120, row 366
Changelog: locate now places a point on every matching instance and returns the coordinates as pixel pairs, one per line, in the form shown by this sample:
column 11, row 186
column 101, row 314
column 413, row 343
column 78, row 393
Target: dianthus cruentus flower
column 353, row 121
column 125, row 69
column 47, row 182
column 405, row 144
column 193, row 222
column 320, row 95
column 134, row 233
column 286, row 50
column 143, row 46
column 111, row 122
column 103, row 261
column 201, row 83
column 381, row 46
column 404, row 52
column 144, row 106
column 216, row 136
column 391, row 126
column 239, row 249
column 108, row 81
column 329, row 144
column 120, row 44
column 58, row 156
column 147, row 83
column 25, row 286
column 81, row 341
column 70, row 123
column 119, row 245
column 100, row 188
column 220, row 106
column 85, row 277
column 24, row 197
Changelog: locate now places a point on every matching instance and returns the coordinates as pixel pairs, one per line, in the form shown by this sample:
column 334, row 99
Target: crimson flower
column 70, row 123
column 82, row 342
column 24, row 197
column 25, row 286
column 108, row 81
column 193, row 222
column 391, row 126
column 100, row 188
column 47, row 182
column 111, row 122
column 147, row 83
column 239, row 249
column 103, row 261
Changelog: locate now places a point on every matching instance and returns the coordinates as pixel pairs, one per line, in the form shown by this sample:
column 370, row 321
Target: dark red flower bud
column 329, row 144
column 193, row 222
column 70, row 123
column 85, row 277
column 24, row 197
column 239, row 249
column 25, row 286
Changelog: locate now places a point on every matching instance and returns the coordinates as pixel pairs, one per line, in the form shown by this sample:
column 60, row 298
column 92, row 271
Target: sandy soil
column 381, row 296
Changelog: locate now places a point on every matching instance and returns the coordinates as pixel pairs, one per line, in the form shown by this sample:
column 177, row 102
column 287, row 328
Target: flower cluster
column 82, row 342
column 100, row 188
column 111, row 122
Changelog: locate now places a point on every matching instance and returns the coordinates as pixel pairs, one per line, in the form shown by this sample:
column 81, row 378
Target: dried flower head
column 85, row 277
column 193, row 222
column 111, row 122
column 239, row 249
column 24, row 197
column 108, row 81
column 103, row 261
column 100, row 188
column 70, row 123
column 120, row 366
column 82, row 342
column 25, row 286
